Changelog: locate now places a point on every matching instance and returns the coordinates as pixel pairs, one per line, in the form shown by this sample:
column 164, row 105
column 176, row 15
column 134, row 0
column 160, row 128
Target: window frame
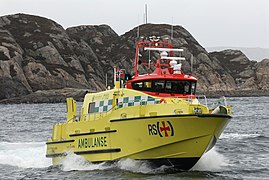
column 164, row 89
column 91, row 108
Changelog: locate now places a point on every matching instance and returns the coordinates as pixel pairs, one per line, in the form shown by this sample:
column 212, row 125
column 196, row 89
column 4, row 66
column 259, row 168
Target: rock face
column 262, row 75
column 38, row 55
column 249, row 76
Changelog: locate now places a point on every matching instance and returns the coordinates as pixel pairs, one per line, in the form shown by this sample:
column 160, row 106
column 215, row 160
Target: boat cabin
column 157, row 70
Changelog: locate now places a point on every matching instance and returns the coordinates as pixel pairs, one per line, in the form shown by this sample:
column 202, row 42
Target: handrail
column 219, row 101
column 174, row 58
column 204, row 96
column 75, row 117
column 225, row 101
column 198, row 97
column 163, row 49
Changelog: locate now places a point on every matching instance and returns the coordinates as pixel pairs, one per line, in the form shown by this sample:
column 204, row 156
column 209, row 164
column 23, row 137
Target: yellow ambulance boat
column 153, row 115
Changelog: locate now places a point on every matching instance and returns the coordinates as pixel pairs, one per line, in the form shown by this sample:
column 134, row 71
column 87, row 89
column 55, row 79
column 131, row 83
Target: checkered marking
column 106, row 105
column 102, row 106
column 136, row 101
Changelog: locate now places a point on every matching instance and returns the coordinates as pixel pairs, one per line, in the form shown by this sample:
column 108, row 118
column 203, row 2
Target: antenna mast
column 106, row 81
column 191, row 64
column 138, row 29
column 146, row 14
column 172, row 30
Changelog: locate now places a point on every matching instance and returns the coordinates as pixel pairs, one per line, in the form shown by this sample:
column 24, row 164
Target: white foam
column 237, row 136
column 24, row 155
column 32, row 155
column 75, row 162
column 211, row 161
column 134, row 166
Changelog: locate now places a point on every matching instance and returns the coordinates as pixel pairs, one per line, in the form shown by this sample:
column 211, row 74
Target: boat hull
column 175, row 140
column 175, row 163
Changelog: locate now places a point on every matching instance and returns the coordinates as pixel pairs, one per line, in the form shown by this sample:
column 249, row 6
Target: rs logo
column 162, row 129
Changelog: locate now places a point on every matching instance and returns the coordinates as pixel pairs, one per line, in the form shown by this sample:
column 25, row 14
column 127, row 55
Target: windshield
column 166, row 86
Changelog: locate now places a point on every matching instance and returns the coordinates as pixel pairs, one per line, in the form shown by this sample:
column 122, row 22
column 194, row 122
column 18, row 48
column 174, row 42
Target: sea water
column 242, row 151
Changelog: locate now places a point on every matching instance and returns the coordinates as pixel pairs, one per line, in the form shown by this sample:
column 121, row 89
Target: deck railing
column 214, row 102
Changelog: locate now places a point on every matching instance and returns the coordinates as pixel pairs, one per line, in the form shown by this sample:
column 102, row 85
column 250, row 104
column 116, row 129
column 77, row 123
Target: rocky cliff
column 251, row 77
column 38, row 58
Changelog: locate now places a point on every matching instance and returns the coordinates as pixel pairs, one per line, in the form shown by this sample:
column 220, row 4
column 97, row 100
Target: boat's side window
column 158, row 86
column 138, row 85
column 147, row 85
column 168, row 87
column 172, row 87
column 91, row 107
column 178, row 87
column 187, row 87
column 193, row 87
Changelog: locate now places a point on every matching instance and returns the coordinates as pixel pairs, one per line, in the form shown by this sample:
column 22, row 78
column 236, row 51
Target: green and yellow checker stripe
column 102, row 106
column 136, row 101
column 106, row 105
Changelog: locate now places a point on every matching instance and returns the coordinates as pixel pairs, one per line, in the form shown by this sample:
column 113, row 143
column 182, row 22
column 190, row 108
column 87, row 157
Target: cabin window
column 91, row 107
column 138, row 86
column 159, row 86
column 186, row 87
column 166, row 86
column 193, row 87
column 147, row 85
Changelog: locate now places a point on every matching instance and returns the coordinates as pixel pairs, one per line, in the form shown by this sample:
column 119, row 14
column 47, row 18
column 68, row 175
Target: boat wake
column 24, row 154
column 211, row 161
column 74, row 162
column 238, row 136
column 32, row 155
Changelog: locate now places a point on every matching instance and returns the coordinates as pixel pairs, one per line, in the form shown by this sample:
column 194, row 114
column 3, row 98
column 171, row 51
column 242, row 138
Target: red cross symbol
column 165, row 129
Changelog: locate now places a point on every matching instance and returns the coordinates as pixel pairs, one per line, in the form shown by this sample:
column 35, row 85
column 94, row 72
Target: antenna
column 106, row 81
column 115, row 71
column 172, row 29
column 149, row 63
column 146, row 14
column 138, row 29
column 191, row 64
column 137, row 36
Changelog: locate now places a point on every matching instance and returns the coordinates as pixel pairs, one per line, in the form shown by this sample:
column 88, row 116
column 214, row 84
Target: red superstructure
column 157, row 70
